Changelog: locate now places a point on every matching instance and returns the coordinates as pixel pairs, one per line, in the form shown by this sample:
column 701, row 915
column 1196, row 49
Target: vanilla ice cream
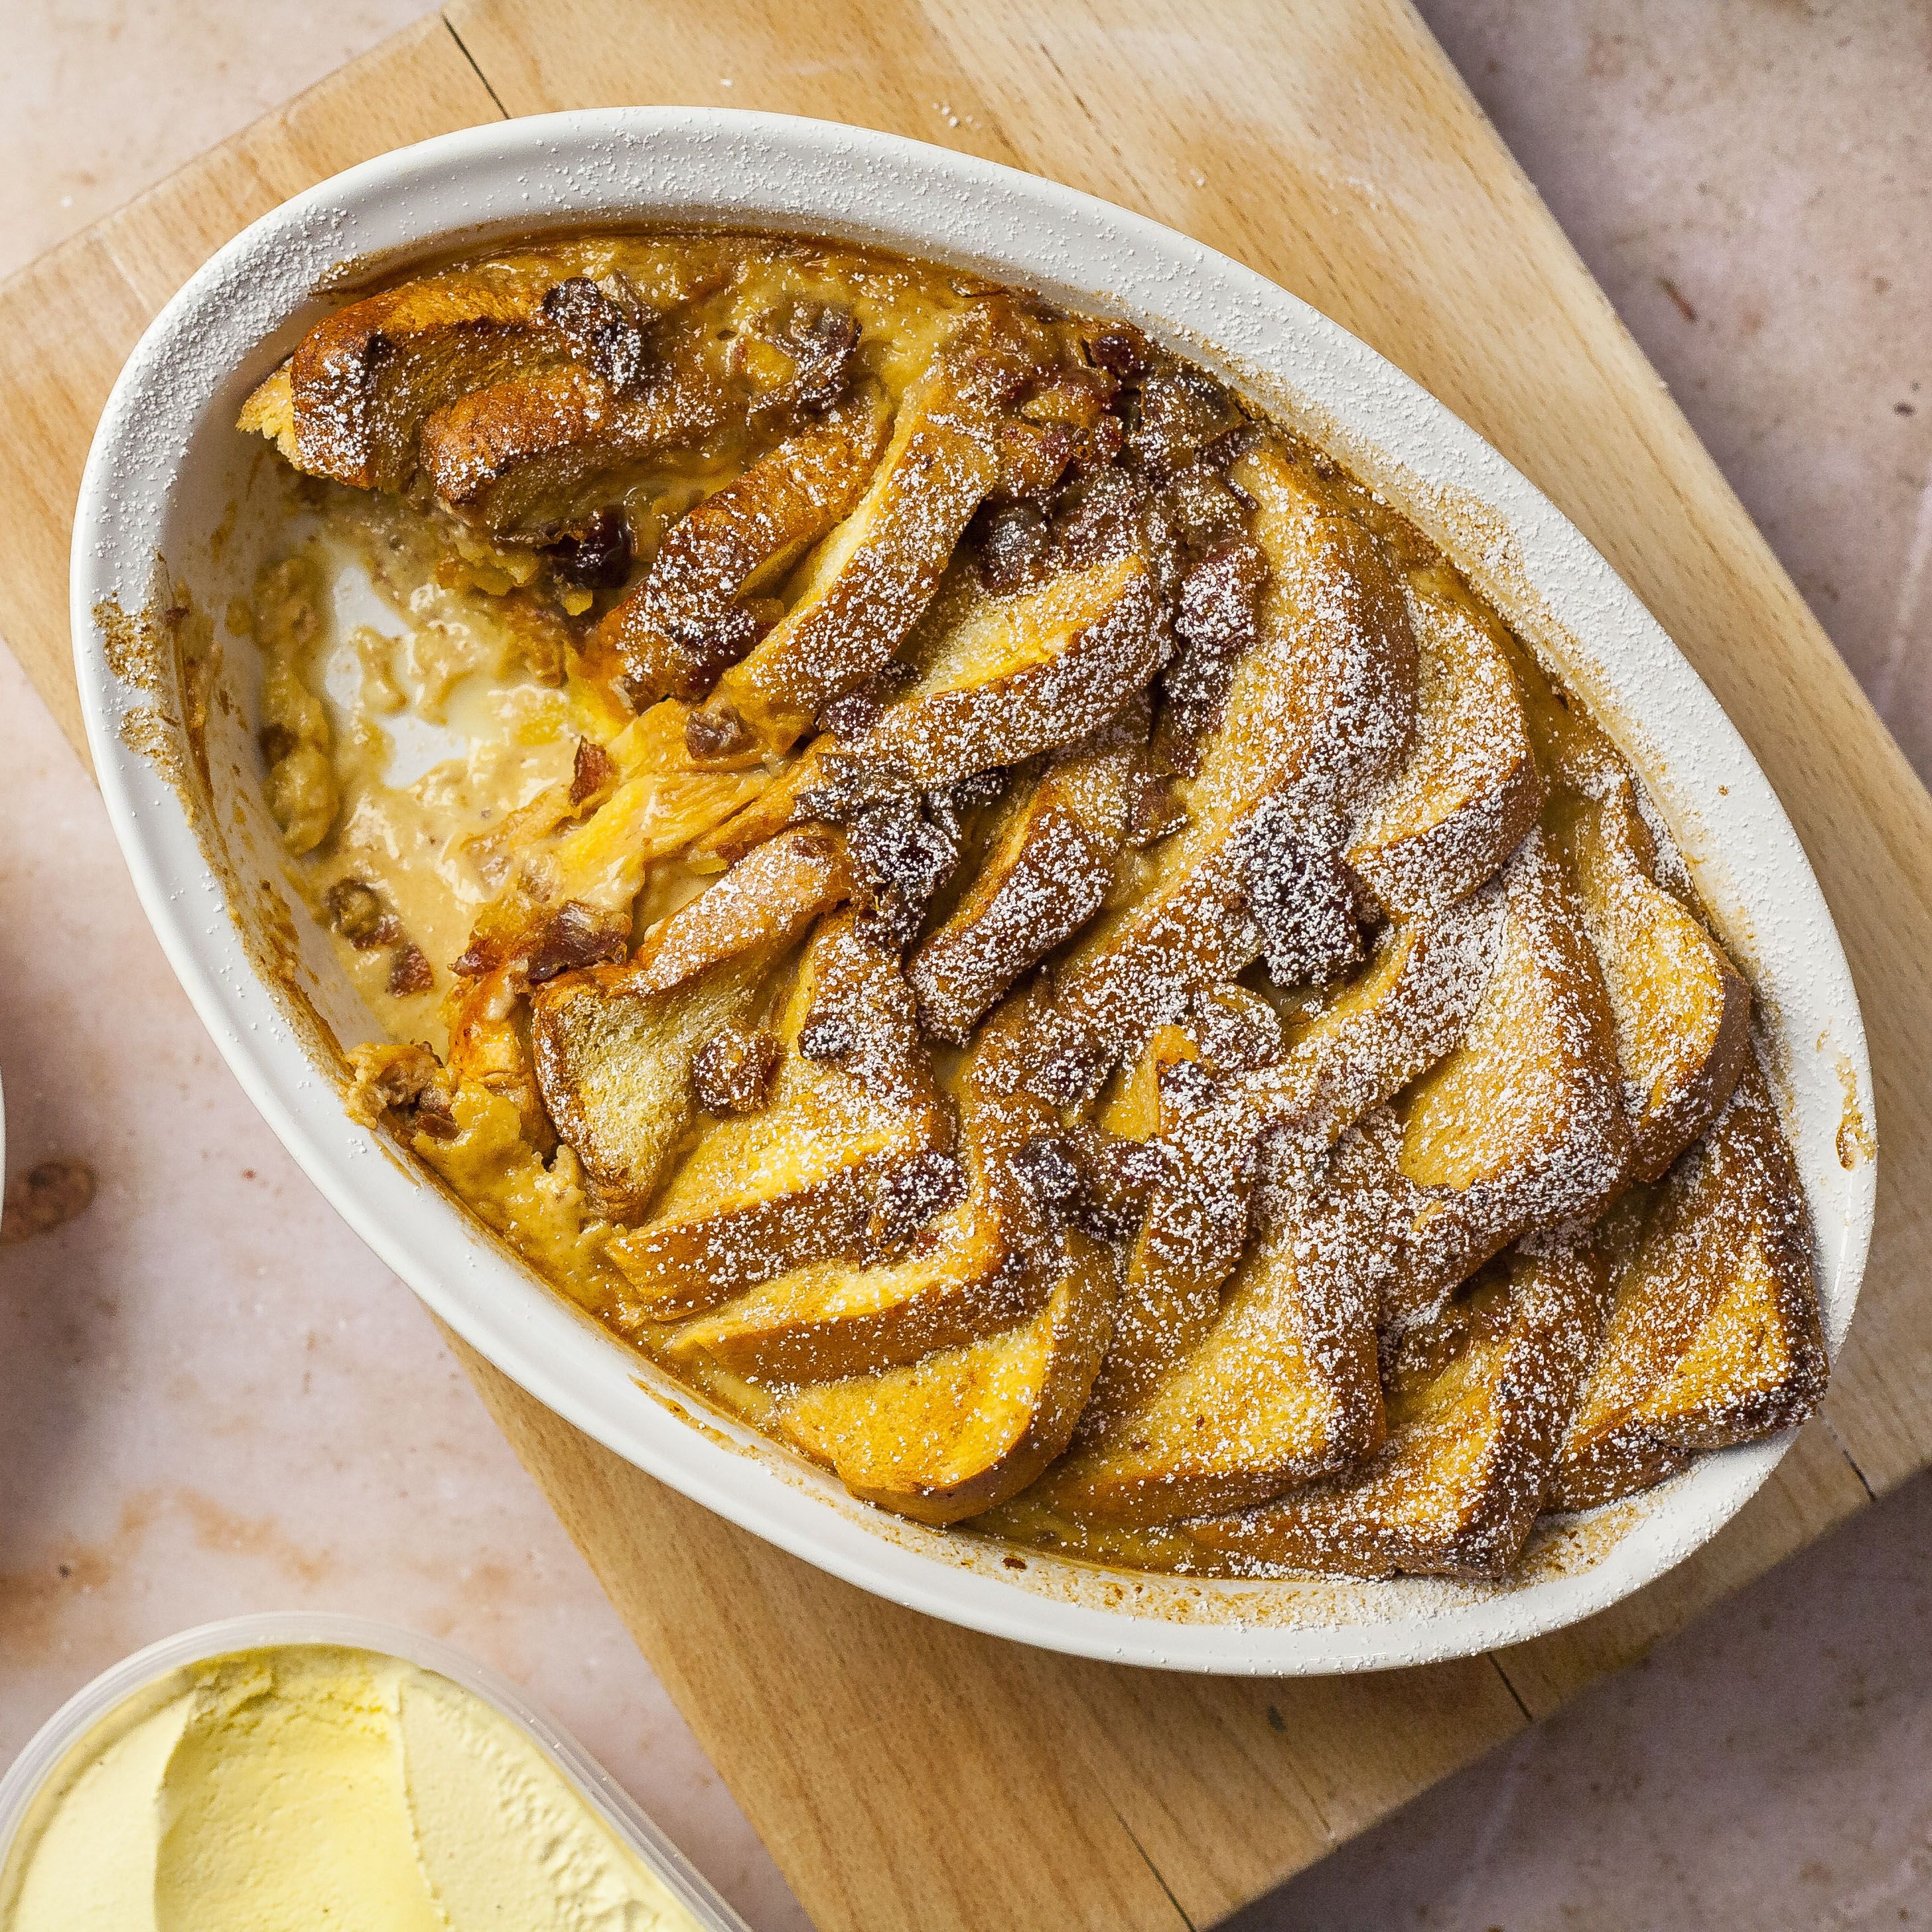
column 312, row 1789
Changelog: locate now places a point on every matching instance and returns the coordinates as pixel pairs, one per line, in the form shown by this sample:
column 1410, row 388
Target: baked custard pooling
column 1007, row 918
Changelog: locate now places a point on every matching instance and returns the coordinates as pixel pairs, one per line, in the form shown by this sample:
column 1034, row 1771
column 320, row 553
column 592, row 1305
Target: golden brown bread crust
column 1282, row 1389
column 1478, row 1399
column 952, row 442
column 1522, row 1124
column 801, row 1180
column 1319, row 715
column 1017, row 676
column 1046, row 874
column 1713, row 1335
column 963, row 1430
column 687, row 621
column 362, row 381
column 1682, row 1012
column 1470, row 789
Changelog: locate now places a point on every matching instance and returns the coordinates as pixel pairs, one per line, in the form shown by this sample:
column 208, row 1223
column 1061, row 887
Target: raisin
column 1121, row 349
column 1220, row 599
column 598, row 329
column 829, row 1038
column 716, row 732
column 1013, row 543
column 591, row 771
column 895, row 848
column 594, row 554
column 1178, row 413
column 734, row 1072
column 359, row 913
column 578, row 936
column 913, row 1195
column 1049, row 1173
column 410, row 972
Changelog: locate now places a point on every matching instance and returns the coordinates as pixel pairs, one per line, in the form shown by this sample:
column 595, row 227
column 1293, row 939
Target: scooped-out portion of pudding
column 1005, row 917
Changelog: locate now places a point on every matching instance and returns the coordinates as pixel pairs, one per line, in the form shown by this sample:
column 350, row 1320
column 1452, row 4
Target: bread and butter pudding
column 1005, row 918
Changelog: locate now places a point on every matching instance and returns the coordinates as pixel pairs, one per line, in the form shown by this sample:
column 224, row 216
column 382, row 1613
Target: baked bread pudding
column 1005, row 918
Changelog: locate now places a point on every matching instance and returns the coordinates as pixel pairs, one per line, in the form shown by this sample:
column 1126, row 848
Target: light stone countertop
column 213, row 1398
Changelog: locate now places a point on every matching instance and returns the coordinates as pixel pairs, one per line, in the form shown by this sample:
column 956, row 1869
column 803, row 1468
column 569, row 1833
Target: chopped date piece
column 602, row 323
column 578, row 936
column 1048, row 1172
column 1121, row 349
column 410, row 972
column 716, row 732
column 1176, row 414
column 896, row 849
column 734, row 1071
column 594, row 554
column 1220, row 599
column 593, row 768
column 1205, row 510
column 850, row 718
column 829, row 1038
column 1014, row 542
column 1103, row 517
column 1117, row 1176
column 1237, row 1030
column 360, row 914
column 821, row 341
column 1301, row 899
column 912, row 1194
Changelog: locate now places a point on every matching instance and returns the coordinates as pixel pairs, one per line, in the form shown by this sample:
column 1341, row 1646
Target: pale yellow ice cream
column 309, row 1788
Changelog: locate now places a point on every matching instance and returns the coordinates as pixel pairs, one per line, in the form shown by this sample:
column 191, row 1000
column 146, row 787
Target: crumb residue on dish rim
column 1856, row 1142
column 167, row 647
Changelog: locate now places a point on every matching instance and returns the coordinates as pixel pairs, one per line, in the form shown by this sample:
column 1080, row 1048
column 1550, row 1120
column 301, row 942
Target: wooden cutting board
column 904, row 1773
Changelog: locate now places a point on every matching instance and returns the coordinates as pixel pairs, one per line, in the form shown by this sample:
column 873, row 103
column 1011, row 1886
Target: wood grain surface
column 904, row 1773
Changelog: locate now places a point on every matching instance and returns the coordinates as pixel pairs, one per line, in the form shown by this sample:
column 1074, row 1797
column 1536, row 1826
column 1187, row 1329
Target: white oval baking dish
column 174, row 497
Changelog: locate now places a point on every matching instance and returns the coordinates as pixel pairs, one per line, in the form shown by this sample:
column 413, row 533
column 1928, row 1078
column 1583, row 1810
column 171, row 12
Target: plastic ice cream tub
column 610, row 1866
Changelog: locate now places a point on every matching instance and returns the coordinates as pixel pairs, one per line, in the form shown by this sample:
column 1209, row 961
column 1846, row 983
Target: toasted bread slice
column 1470, row 788
column 1189, row 1244
column 867, row 582
column 765, row 901
column 614, row 1069
column 686, row 622
column 1478, row 1400
column 971, row 1271
column 1282, row 1388
column 1683, row 1012
column 1319, row 715
column 1522, row 1124
column 613, row 1046
column 1713, row 1337
column 1048, row 869
column 782, row 803
column 361, row 382
column 1392, row 1025
column 1386, row 1028
column 964, row 1429
column 799, row 1181
column 1019, row 675
column 523, row 458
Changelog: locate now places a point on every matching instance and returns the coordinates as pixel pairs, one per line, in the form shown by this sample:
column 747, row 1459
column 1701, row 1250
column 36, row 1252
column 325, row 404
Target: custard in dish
column 1005, row 918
